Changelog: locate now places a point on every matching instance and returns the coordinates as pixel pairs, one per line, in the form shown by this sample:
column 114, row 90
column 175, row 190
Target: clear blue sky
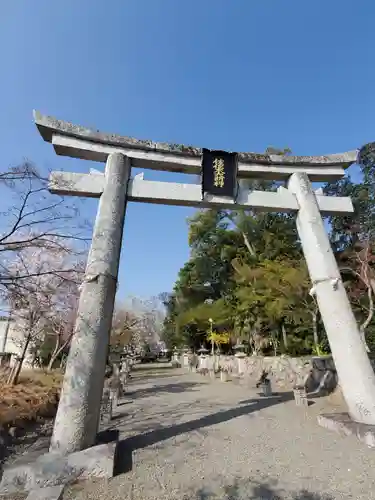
column 229, row 74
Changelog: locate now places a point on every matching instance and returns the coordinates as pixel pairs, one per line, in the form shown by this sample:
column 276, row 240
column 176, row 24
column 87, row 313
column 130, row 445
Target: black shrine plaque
column 219, row 173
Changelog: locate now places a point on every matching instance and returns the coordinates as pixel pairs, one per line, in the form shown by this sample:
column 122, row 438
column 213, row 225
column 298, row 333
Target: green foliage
column 218, row 338
column 247, row 273
column 319, row 350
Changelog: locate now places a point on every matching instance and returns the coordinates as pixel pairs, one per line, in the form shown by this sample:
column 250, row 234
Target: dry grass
column 34, row 396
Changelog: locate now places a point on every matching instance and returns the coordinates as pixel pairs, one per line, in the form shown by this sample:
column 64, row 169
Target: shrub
column 36, row 395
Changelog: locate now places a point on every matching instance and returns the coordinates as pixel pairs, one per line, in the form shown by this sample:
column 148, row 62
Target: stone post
column 77, row 416
column 203, row 362
column 354, row 370
column 185, row 360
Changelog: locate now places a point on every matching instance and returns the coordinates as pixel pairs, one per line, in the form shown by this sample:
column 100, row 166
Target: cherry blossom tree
column 63, row 305
column 124, row 329
column 150, row 313
column 43, row 300
column 137, row 323
column 33, row 218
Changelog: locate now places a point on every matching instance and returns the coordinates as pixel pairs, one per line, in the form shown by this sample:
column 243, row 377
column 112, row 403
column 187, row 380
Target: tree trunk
column 363, row 338
column 256, row 343
column 248, row 244
column 12, row 371
column 217, row 358
column 315, row 328
column 370, row 284
column 56, row 353
column 249, row 340
column 17, row 371
column 63, row 362
column 285, row 337
column 362, row 328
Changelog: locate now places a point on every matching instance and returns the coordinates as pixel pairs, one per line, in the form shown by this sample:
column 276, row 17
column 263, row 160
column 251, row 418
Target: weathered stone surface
column 286, row 371
column 318, row 374
column 52, row 469
column 343, row 424
column 330, row 364
column 49, row 493
column 176, row 193
column 356, row 375
column 48, row 126
column 318, row 364
column 106, row 407
column 344, row 159
column 300, row 397
column 77, row 417
column 88, row 185
column 266, row 389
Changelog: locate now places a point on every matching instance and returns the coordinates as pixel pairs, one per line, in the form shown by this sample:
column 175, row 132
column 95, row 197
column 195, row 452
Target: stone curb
column 49, row 493
column 343, row 424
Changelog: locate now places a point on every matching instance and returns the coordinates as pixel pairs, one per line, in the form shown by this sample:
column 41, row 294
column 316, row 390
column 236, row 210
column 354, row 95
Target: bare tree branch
column 37, row 219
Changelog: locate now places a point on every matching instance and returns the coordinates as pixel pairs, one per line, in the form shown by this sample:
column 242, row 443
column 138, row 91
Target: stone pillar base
column 48, row 493
column 53, row 469
column 344, row 425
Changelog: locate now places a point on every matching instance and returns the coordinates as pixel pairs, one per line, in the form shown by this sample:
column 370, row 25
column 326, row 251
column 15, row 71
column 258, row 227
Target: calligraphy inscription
column 219, row 172
column 363, row 410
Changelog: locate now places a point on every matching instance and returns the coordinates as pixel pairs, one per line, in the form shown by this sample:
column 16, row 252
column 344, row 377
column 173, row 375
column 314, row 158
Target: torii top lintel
column 80, row 142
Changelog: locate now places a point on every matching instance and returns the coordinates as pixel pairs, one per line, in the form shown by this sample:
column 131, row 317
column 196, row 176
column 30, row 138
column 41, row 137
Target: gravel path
column 185, row 437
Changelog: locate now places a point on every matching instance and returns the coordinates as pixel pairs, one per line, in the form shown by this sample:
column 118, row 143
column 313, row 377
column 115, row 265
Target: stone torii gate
column 78, row 412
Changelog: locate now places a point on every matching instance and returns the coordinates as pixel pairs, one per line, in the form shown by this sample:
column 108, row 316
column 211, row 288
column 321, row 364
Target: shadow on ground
column 156, row 389
column 145, row 375
column 125, row 448
column 147, row 367
column 32, row 439
column 245, row 489
column 246, row 401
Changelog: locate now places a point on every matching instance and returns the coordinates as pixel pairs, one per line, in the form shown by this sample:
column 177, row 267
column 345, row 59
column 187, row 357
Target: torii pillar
column 77, row 416
column 352, row 363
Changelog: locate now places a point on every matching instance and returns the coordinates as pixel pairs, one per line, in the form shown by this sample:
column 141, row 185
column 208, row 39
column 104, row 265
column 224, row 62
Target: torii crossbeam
column 223, row 185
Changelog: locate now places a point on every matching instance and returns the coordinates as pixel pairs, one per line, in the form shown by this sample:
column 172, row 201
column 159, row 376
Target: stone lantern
column 203, row 357
column 176, row 355
column 185, row 357
column 239, row 349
